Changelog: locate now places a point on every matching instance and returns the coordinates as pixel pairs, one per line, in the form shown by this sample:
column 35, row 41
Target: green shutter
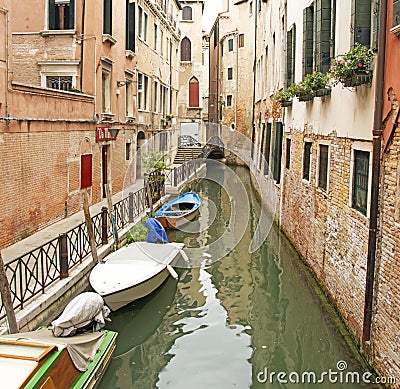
column 308, row 40
column 289, row 57
column 322, row 35
column 267, row 150
column 52, row 15
column 130, row 26
column 361, row 21
column 277, row 152
column 71, row 15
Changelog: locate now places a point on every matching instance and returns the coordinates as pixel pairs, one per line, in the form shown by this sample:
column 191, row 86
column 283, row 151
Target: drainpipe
column 237, row 76
column 253, row 125
column 5, row 12
column 83, row 35
column 376, row 165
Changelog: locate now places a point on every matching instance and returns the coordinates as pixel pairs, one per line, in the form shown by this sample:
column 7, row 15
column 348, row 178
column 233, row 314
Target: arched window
column 187, row 13
column 186, row 50
column 193, row 92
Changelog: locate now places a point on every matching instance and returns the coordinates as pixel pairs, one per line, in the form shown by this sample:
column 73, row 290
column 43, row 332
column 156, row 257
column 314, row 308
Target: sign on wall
column 103, row 133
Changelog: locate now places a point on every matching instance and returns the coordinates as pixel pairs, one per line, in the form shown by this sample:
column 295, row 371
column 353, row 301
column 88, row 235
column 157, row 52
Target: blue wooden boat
column 179, row 211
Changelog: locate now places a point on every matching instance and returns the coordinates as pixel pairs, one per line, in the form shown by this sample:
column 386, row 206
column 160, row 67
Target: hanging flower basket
column 286, row 103
column 323, row 92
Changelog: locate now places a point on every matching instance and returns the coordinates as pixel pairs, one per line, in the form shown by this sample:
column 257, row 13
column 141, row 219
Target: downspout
column 376, row 166
column 237, row 76
column 5, row 12
column 253, row 126
column 83, row 36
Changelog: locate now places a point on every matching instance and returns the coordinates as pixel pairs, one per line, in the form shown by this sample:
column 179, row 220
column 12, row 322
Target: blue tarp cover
column 156, row 232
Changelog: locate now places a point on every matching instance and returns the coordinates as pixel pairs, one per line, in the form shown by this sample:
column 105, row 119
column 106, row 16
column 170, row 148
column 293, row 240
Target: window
column 129, row 95
column 230, row 73
column 145, row 18
column 193, row 92
column 230, row 44
column 277, row 152
column 61, row 14
column 360, row 181
column 140, row 91
column 290, row 55
column 155, row 37
column 323, row 167
column 145, row 92
column 361, row 21
column 250, row 8
column 261, row 156
column 128, row 149
column 396, row 13
column 161, row 42
column 288, row 147
column 229, row 100
column 106, row 88
column 241, row 40
column 107, row 17
column 187, row 13
column 308, row 40
column 186, row 50
column 323, row 35
column 267, row 150
column 59, row 82
column 156, row 91
column 307, row 160
column 86, row 171
column 130, row 26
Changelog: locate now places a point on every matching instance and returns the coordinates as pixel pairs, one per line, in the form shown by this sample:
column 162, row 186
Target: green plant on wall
column 155, row 161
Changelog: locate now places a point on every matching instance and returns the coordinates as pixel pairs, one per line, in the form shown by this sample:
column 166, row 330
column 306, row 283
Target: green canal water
column 245, row 321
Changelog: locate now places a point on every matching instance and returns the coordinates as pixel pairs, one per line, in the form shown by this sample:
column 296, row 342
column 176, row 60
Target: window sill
column 57, row 32
column 107, row 38
column 395, row 30
column 130, row 54
column 107, row 116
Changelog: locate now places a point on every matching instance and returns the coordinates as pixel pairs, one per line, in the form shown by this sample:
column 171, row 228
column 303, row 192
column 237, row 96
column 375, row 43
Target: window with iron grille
column 323, row 167
column 59, row 82
column 307, row 160
column 360, row 181
column 61, row 14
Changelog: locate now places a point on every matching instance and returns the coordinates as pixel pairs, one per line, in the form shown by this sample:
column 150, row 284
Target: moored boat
column 179, row 211
column 134, row 271
column 38, row 359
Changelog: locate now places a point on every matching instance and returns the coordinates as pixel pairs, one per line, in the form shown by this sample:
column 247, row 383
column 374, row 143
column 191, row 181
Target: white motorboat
column 134, row 271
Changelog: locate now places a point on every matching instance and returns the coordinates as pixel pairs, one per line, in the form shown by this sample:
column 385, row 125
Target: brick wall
column 330, row 235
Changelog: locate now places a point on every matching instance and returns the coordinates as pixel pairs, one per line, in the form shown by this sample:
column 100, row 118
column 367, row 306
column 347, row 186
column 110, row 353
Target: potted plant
column 303, row 90
column 319, row 83
column 354, row 67
column 284, row 96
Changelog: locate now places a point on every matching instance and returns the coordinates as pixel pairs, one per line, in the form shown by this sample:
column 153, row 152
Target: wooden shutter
column 361, row 20
column 290, row 55
column 187, row 13
column 308, row 40
column 322, row 35
column 193, row 92
column 267, row 151
column 86, row 171
column 52, row 15
column 107, row 21
column 130, row 26
column 277, row 152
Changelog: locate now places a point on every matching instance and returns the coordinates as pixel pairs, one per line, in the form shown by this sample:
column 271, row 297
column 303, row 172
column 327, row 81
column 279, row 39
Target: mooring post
column 104, row 225
column 7, row 300
column 89, row 226
column 63, row 250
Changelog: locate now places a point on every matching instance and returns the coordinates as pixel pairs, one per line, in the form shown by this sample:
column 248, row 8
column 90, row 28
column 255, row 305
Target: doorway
column 104, row 163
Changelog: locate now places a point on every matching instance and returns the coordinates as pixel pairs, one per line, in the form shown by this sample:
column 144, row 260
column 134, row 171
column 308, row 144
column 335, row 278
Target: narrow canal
column 235, row 323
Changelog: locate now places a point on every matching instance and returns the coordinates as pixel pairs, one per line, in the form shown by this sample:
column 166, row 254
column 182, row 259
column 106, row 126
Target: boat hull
column 121, row 298
column 177, row 222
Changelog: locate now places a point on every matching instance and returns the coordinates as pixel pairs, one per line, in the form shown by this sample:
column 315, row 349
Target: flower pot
column 323, row 92
column 306, row 97
column 359, row 77
column 286, row 103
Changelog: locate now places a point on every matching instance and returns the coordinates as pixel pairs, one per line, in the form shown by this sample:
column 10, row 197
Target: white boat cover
column 81, row 348
column 86, row 308
column 132, row 265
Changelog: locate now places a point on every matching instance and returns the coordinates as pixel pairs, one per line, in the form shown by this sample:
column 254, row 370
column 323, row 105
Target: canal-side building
column 76, row 70
column 191, row 74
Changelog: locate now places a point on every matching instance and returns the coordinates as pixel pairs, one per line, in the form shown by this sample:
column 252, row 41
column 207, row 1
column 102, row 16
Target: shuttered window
column 107, row 17
column 277, row 152
column 308, row 40
column 307, row 160
column 230, row 44
column 360, row 181
column 323, row 17
column 187, row 13
column 288, row 149
column 396, row 13
column 290, row 55
column 241, row 40
column 361, row 21
column 193, row 92
column 323, row 167
column 61, row 15
column 130, row 26
column 267, row 150
column 186, row 50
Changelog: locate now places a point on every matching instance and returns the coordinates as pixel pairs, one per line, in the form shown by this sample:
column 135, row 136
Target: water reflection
column 221, row 325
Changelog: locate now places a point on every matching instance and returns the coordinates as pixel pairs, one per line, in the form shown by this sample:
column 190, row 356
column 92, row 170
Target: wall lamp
column 121, row 83
column 113, row 132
